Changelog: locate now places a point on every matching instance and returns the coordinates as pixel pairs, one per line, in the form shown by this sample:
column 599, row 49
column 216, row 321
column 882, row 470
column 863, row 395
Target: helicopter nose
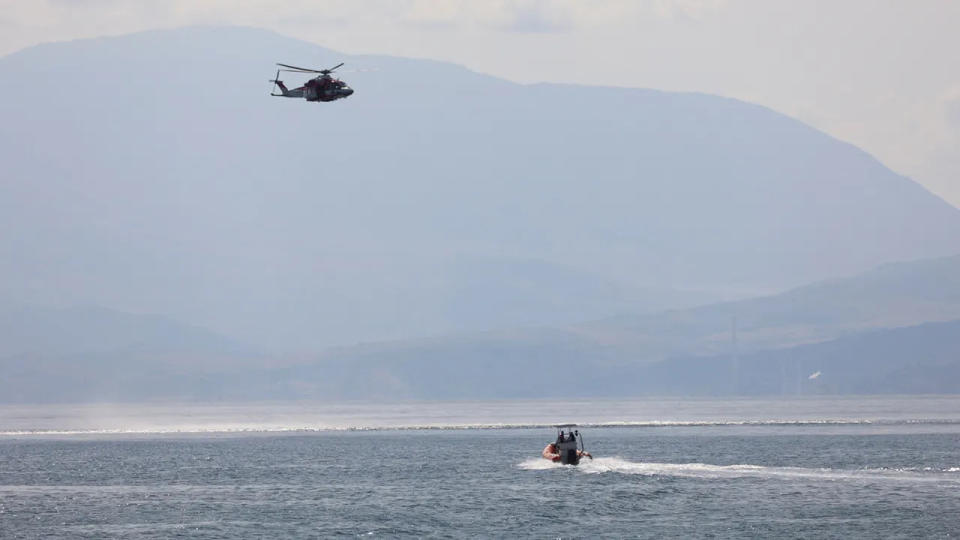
column 348, row 91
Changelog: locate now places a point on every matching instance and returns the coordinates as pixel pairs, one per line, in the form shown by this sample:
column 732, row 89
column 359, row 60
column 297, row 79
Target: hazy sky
column 884, row 75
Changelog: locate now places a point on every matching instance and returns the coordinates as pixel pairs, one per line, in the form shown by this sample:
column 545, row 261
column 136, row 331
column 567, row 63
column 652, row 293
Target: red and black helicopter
column 323, row 87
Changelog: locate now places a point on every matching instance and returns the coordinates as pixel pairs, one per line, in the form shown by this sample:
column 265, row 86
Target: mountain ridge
column 156, row 175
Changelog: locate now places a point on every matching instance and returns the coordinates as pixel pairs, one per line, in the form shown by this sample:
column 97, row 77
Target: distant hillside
column 83, row 354
column 917, row 359
column 92, row 329
column 86, row 353
column 639, row 355
column 922, row 359
column 893, row 295
column 153, row 173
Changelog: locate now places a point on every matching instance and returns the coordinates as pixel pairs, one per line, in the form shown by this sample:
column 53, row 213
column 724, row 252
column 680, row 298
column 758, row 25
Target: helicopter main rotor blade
column 334, row 67
column 360, row 70
column 305, row 70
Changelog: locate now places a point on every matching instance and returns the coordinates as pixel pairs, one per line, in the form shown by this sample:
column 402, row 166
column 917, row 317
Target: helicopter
column 323, row 87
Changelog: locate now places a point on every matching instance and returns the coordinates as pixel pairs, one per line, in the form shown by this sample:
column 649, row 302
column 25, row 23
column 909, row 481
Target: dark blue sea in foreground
column 893, row 474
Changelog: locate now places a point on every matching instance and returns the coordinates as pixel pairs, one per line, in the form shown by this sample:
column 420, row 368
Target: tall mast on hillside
column 734, row 354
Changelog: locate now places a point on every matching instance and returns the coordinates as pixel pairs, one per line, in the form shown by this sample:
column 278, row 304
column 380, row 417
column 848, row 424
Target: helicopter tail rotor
column 276, row 80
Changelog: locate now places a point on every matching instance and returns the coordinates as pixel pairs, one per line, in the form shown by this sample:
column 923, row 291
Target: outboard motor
column 567, row 446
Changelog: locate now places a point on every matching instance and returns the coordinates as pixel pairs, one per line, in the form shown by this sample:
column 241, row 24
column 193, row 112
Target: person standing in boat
column 552, row 453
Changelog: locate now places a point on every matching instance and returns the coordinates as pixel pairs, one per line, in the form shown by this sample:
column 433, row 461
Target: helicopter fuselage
column 324, row 88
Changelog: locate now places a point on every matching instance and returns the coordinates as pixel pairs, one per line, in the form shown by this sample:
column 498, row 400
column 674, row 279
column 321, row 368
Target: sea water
column 803, row 467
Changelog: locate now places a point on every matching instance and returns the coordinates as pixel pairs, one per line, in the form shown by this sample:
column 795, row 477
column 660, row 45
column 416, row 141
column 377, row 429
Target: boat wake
column 617, row 465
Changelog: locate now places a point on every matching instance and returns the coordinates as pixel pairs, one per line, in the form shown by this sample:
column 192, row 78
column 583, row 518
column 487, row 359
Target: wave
column 273, row 428
column 707, row 471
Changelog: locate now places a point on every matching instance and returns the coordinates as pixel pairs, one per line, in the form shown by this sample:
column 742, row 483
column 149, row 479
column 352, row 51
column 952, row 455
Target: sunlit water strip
column 280, row 417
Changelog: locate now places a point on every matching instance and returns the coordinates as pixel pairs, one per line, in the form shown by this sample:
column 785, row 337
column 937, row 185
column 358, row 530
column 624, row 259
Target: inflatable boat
column 568, row 448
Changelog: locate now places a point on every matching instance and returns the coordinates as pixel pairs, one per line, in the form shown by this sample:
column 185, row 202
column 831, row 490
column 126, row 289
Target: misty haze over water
column 224, row 314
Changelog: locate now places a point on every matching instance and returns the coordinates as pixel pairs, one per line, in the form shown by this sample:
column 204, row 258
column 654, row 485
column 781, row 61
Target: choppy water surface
column 892, row 468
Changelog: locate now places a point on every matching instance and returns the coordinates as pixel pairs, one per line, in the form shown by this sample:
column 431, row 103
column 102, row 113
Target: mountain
column 152, row 173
